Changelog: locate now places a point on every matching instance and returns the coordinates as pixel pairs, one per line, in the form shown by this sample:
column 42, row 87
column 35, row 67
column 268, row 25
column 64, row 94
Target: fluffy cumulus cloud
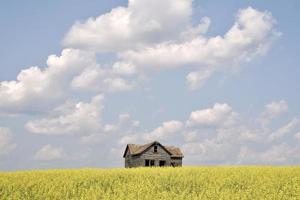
column 198, row 78
column 286, row 129
column 222, row 146
column 49, row 153
column 169, row 40
column 297, row 136
column 96, row 78
column 133, row 26
column 6, row 141
column 244, row 142
column 221, row 114
column 121, row 132
column 140, row 41
column 277, row 154
column 79, row 118
column 128, row 139
column 273, row 110
column 75, row 71
column 36, row 88
column 166, row 130
column 250, row 36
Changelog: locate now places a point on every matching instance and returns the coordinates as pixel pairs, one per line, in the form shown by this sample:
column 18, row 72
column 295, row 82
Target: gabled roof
column 135, row 149
column 175, row 151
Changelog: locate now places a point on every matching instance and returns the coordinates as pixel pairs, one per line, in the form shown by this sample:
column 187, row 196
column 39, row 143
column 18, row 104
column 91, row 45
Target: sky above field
column 81, row 79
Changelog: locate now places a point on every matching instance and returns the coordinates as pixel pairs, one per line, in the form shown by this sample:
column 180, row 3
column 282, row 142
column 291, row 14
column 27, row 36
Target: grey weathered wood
column 149, row 154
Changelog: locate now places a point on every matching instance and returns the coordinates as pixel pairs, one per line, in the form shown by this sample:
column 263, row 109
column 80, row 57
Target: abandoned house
column 152, row 154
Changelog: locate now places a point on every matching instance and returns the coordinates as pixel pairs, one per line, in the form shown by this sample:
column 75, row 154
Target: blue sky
column 218, row 80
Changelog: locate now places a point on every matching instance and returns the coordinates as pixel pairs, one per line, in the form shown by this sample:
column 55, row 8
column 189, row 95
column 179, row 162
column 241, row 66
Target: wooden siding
column 161, row 154
column 149, row 154
column 175, row 162
column 132, row 161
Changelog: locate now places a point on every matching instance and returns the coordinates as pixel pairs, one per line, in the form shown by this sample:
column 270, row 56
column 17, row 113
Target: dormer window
column 155, row 149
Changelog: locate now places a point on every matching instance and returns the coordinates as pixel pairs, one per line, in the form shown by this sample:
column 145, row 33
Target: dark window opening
column 147, row 163
column 152, row 162
column 155, row 149
column 162, row 163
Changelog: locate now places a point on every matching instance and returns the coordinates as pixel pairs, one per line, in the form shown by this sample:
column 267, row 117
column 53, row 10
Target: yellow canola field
column 153, row 183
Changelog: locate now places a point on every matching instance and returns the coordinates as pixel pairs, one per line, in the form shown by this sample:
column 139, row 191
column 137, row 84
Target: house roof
column 135, row 149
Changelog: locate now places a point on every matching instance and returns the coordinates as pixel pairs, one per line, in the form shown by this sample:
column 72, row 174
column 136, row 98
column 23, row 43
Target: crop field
column 153, row 183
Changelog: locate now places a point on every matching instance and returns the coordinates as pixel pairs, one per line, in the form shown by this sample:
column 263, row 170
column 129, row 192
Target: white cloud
column 94, row 138
column 123, row 68
column 239, row 143
column 110, row 128
column 250, row 36
column 218, row 115
column 84, row 118
column 6, row 143
column 134, row 26
column 273, row 110
column 37, row 88
column 209, row 151
column 141, row 41
column 102, row 80
column 197, row 79
column 190, row 136
column 200, row 29
column 122, row 131
column 124, row 118
column 238, row 134
column 297, row 136
column 135, row 123
column 277, row 107
column 167, row 130
column 222, row 147
column 285, row 130
column 49, row 153
column 88, row 79
column 118, row 84
column 129, row 139
column 280, row 154
column 74, row 71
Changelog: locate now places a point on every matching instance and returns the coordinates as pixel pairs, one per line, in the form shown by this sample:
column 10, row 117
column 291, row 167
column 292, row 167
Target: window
column 162, row 163
column 147, row 163
column 152, row 162
column 155, row 149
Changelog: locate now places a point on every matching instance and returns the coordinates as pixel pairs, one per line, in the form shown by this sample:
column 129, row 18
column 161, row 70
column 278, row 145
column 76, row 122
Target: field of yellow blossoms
column 153, row 183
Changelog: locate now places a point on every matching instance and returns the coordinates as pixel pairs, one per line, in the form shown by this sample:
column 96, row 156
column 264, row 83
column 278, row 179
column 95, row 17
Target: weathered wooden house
column 152, row 154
